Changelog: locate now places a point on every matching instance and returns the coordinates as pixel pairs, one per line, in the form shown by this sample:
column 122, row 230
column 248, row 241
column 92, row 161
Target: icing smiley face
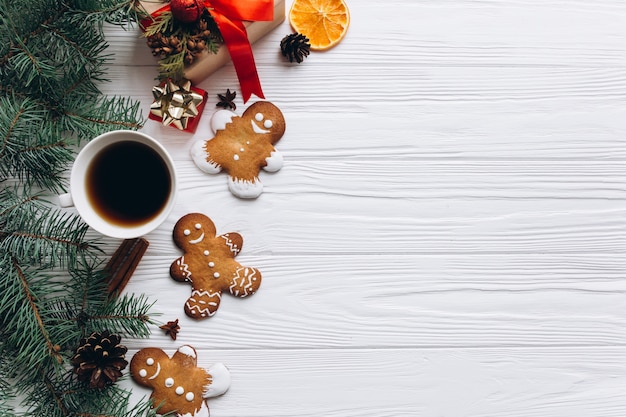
column 177, row 383
column 259, row 119
column 242, row 146
column 208, row 264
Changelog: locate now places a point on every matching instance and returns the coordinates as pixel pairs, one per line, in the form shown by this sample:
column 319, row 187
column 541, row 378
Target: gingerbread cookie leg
column 202, row 303
column 244, row 188
column 245, row 282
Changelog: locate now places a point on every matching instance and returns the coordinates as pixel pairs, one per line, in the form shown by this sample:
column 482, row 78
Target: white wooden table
column 448, row 234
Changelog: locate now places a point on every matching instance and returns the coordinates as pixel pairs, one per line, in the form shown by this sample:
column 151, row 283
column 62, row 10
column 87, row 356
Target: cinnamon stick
column 123, row 263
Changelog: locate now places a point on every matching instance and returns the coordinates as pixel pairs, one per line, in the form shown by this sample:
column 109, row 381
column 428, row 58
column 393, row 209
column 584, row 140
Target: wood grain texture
column 447, row 236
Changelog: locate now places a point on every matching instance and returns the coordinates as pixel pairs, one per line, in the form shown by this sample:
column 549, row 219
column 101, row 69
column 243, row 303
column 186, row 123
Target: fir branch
column 173, row 65
column 116, row 12
column 49, row 237
column 164, row 23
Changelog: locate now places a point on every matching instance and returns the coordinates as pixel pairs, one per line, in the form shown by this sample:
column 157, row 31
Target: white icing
column 187, row 232
column 198, row 240
column 247, row 142
column 202, row 158
column 241, row 149
column 244, row 188
column 189, row 396
column 169, row 382
column 150, row 361
column 198, row 226
column 268, row 124
column 206, row 253
column 216, row 275
column 143, row 373
column 257, row 129
column 258, row 117
column 220, row 119
column 180, row 390
column 220, row 381
column 158, row 371
column 236, row 157
column 274, row 162
column 211, row 264
column 187, row 350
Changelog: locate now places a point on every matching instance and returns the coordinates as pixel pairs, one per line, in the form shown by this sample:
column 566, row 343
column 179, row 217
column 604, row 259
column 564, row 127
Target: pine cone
column 198, row 36
column 295, row 46
column 99, row 359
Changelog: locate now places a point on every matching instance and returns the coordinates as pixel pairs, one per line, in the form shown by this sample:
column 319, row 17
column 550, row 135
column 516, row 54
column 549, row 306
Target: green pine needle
column 52, row 282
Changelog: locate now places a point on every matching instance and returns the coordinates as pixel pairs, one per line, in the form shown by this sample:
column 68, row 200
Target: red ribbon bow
column 229, row 16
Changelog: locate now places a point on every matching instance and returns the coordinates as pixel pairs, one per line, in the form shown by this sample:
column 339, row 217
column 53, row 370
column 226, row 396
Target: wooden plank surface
column 447, row 236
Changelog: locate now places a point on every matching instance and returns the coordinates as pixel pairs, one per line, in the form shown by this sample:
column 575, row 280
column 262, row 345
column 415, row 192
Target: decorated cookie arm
column 220, row 119
column 220, row 381
column 233, row 241
column 202, row 159
column 274, row 162
column 245, row 281
column 179, row 270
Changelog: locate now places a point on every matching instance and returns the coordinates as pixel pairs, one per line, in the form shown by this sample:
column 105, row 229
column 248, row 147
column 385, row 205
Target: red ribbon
column 229, row 16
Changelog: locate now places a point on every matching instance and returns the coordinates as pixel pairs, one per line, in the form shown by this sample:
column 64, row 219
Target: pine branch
column 163, row 23
column 173, row 65
column 53, row 288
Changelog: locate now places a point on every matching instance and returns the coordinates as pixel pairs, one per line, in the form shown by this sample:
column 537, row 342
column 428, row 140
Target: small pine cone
column 295, row 46
column 99, row 359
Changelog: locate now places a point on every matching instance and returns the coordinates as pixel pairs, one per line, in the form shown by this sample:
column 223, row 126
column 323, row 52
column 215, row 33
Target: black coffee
column 128, row 183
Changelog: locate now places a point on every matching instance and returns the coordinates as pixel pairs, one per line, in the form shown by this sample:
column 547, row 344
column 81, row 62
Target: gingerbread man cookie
column 178, row 384
column 208, row 264
column 241, row 146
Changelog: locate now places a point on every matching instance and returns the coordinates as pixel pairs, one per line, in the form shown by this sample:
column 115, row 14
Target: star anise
column 171, row 328
column 226, row 100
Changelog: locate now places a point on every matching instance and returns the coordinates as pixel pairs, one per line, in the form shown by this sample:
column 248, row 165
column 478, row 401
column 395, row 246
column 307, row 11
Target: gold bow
column 175, row 103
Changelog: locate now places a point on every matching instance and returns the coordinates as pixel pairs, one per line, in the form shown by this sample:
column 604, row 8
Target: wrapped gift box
column 207, row 63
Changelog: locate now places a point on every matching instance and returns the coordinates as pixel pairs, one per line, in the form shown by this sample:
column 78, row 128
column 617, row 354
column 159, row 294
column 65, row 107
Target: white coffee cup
column 123, row 184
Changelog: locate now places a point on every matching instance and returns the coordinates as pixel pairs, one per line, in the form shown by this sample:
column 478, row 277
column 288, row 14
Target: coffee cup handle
column 65, row 200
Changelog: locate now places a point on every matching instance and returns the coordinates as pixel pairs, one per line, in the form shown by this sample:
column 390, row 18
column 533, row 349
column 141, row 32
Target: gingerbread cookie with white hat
column 242, row 146
column 178, row 384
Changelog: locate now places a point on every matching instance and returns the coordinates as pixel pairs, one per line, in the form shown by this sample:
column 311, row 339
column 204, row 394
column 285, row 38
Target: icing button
column 216, row 275
column 236, row 157
column 180, row 390
column 206, row 253
column 169, row 382
column 211, row 264
column 189, row 396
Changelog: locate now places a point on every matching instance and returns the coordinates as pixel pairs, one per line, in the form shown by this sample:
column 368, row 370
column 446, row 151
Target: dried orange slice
column 324, row 22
